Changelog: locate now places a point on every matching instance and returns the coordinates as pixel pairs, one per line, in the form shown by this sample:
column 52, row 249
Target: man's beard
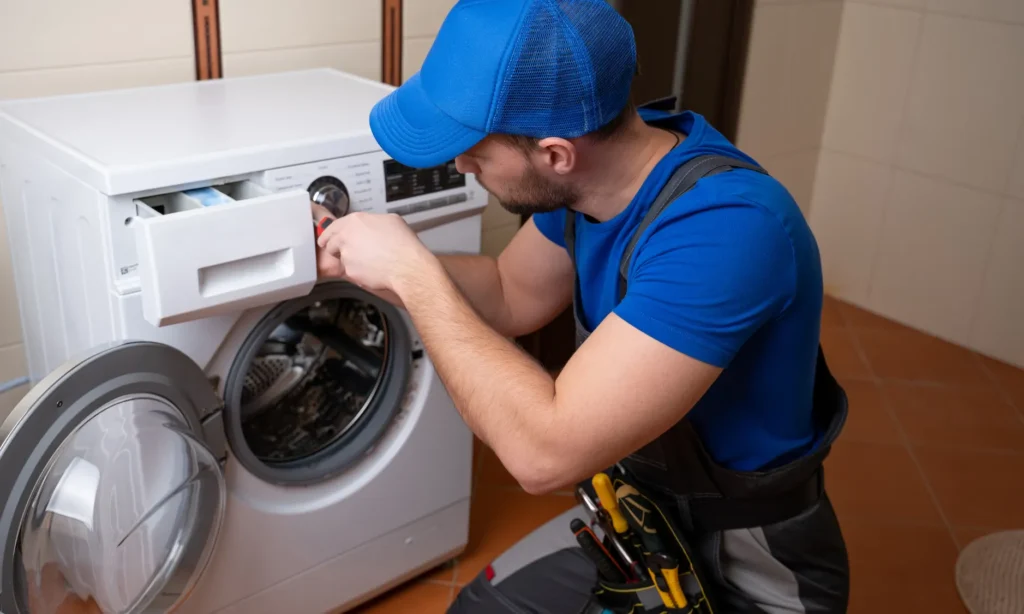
column 535, row 194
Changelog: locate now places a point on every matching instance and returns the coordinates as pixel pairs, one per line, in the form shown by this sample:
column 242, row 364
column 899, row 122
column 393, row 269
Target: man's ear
column 558, row 154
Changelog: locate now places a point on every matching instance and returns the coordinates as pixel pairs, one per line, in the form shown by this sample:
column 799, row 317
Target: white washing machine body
column 210, row 428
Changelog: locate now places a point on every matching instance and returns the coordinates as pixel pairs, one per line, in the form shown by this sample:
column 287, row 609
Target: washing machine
column 211, row 428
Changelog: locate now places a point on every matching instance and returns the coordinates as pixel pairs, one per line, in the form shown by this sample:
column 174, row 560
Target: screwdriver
column 606, row 564
column 601, row 517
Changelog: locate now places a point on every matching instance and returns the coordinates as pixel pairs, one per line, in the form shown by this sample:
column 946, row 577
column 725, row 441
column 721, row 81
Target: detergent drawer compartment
column 224, row 248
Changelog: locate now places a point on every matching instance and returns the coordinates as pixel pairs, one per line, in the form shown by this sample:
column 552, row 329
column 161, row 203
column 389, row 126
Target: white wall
column 919, row 200
column 65, row 46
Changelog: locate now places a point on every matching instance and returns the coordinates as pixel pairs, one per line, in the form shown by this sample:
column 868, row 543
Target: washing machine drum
column 316, row 384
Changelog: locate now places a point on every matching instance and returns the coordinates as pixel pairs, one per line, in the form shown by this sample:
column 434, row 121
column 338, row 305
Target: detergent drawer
column 220, row 249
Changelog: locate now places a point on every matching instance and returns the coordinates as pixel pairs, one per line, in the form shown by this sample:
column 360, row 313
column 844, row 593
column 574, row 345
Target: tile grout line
column 926, row 10
column 905, row 439
column 999, row 386
column 921, row 174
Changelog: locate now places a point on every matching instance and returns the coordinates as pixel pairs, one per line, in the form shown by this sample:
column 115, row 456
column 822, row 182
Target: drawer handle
column 243, row 273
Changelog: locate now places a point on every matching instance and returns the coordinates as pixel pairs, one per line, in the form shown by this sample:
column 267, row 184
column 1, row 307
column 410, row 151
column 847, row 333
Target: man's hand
column 374, row 251
column 327, row 266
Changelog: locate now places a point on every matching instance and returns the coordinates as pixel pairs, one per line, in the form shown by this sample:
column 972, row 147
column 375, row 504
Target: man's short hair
column 604, row 133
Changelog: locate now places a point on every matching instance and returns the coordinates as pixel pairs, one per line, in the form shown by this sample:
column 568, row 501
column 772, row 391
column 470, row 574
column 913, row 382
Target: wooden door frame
column 206, row 37
column 391, row 41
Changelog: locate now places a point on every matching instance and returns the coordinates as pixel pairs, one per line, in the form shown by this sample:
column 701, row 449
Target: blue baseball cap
column 536, row 68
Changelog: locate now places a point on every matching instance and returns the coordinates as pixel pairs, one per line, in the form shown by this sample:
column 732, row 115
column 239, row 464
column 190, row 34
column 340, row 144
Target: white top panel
column 153, row 137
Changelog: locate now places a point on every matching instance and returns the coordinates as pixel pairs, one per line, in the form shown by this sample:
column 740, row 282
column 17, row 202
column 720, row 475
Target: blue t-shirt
column 728, row 274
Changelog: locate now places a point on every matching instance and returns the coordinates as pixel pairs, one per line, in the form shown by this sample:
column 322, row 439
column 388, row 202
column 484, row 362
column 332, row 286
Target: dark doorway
column 695, row 50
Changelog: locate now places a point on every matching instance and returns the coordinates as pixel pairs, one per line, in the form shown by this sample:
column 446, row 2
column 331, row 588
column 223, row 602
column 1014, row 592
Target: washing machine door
column 112, row 491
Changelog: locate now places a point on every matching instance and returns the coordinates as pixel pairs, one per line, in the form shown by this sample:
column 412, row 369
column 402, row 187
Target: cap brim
column 415, row 132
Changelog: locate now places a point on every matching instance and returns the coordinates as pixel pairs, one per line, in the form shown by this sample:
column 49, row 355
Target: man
column 698, row 370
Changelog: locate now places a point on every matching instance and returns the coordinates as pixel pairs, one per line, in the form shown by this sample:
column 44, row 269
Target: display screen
column 406, row 182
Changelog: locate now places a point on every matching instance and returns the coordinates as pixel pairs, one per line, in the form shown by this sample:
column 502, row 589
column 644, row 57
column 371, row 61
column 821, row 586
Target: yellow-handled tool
column 606, row 493
column 665, row 566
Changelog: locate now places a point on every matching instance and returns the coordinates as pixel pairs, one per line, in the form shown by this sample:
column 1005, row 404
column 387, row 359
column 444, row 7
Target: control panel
column 374, row 182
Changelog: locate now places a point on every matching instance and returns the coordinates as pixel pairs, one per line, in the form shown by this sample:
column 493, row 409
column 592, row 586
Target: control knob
column 330, row 193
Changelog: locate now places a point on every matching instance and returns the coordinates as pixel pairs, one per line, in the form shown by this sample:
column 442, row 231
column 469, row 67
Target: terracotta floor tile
column 500, row 518
column 1010, row 378
column 914, row 356
column 858, row 318
column 831, row 316
column 976, row 488
column 878, row 482
column 965, row 535
column 492, row 472
column 420, row 597
column 841, row 354
column 443, row 573
column 899, row 569
column 976, row 417
column 869, row 419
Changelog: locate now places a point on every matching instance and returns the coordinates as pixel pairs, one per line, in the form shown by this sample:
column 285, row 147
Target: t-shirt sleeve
column 703, row 283
column 551, row 224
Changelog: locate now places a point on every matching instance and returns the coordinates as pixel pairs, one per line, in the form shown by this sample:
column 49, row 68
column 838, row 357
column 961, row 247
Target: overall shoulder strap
column 681, row 182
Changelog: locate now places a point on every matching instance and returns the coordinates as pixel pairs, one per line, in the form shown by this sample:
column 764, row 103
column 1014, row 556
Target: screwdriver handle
column 606, row 564
column 606, row 493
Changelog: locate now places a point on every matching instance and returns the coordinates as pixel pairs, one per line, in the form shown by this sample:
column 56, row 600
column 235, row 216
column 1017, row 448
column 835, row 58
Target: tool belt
column 653, row 568
column 653, row 505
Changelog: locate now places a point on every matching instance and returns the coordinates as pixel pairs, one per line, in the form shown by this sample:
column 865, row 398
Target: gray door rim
column 65, row 399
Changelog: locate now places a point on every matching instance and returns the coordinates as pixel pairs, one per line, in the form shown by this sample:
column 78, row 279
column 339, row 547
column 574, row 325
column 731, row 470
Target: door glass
column 114, row 517
column 313, row 379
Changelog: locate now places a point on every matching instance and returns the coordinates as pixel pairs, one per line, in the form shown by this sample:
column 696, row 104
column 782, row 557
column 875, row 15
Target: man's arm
column 620, row 391
column 516, row 294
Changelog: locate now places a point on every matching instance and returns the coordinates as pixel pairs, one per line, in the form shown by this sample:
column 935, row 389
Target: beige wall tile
column 73, row 80
column 932, row 254
column 906, row 4
column 41, row 34
column 414, row 51
column 10, row 321
column 9, row 399
column 846, row 216
column 812, row 40
column 760, row 133
column 872, row 73
column 362, row 59
column 1015, row 186
column 999, row 10
column 966, row 101
column 999, row 323
column 495, row 239
column 253, row 25
column 495, row 215
column 423, row 18
column 788, row 75
column 12, row 363
column 796, row 171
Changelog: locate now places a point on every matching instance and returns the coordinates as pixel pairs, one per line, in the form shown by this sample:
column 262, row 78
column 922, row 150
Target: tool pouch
column 647, row 596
